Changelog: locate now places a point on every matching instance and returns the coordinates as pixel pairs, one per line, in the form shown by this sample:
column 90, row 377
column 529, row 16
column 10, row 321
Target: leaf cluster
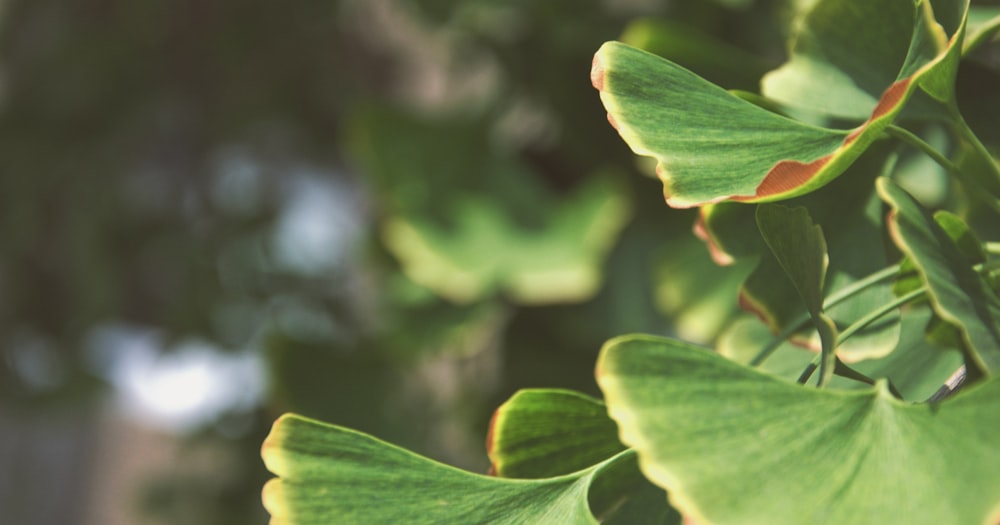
column 865, row 277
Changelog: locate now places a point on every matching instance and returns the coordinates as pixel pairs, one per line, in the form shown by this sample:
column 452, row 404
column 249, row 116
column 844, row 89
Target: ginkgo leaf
column 711, row 145
column 502, row 232
column 984, row 23
column 838, row 67
column 957, row 293
column 546, row 433
column 329, row 474
column 799, row 248
column 736, row 446
column 486, row 251
column 845, row 54
column 850, row 213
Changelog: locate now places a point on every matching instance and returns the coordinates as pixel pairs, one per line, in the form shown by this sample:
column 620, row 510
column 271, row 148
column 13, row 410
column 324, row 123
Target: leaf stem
column 874, row 315
column 963, row 129
column 973, row 186
column 854, row 328
column 912, row 139
column 834, row 299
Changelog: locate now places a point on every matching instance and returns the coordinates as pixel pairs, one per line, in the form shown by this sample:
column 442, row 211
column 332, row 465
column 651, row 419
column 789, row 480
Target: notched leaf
column 329, row 474
column 706, row 429
column 712, row 146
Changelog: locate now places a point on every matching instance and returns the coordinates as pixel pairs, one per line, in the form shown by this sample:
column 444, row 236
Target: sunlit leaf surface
column 711, row 145
column 329, row 474
column 736, row 446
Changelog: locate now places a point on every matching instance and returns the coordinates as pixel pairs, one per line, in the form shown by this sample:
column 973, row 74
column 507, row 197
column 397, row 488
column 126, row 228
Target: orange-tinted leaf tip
column 597, row 73
column 664, row 177
column 893, row 230
column 614, row 124
column 701, row 231
column 491, row 441
column 748, row 304
column 597, row 79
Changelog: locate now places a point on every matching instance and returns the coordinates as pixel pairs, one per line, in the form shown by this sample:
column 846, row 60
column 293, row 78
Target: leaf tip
column 597, row 72
column 491, row 443
column 271, row 449
column 702, row 232
column 273, row 498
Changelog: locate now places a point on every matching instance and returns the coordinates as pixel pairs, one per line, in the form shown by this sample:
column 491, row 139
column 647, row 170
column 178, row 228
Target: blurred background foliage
column 387, row 214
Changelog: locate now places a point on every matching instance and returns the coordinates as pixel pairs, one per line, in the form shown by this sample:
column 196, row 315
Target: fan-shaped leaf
column 711, row 145
column 735, row 446
column 328, row 474
column 546, row 433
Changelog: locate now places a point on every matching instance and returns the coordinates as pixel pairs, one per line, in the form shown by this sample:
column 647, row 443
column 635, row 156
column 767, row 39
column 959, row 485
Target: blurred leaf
column 699, row 296
column 736, row 446
column 984, row 22
column 469, row 238
column 486, row 252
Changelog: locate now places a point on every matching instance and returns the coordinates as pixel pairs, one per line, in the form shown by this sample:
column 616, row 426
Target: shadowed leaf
column 800, row 249
column 958, row 294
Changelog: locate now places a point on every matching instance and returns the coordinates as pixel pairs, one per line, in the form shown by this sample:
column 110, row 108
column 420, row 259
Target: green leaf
column 546, row 433
column 502, row 231
column 843, row 56
column 711, row 145
column 685, row 44
column 736, row 446
column 799, row 247
column 850, row 213
column 486, row 251
column 916, row 367
column 966, row 240
column 847, row 57
column 984, row 23
column 329, row 474
column 744, row 338
column 958, row 294
column 699, row 297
